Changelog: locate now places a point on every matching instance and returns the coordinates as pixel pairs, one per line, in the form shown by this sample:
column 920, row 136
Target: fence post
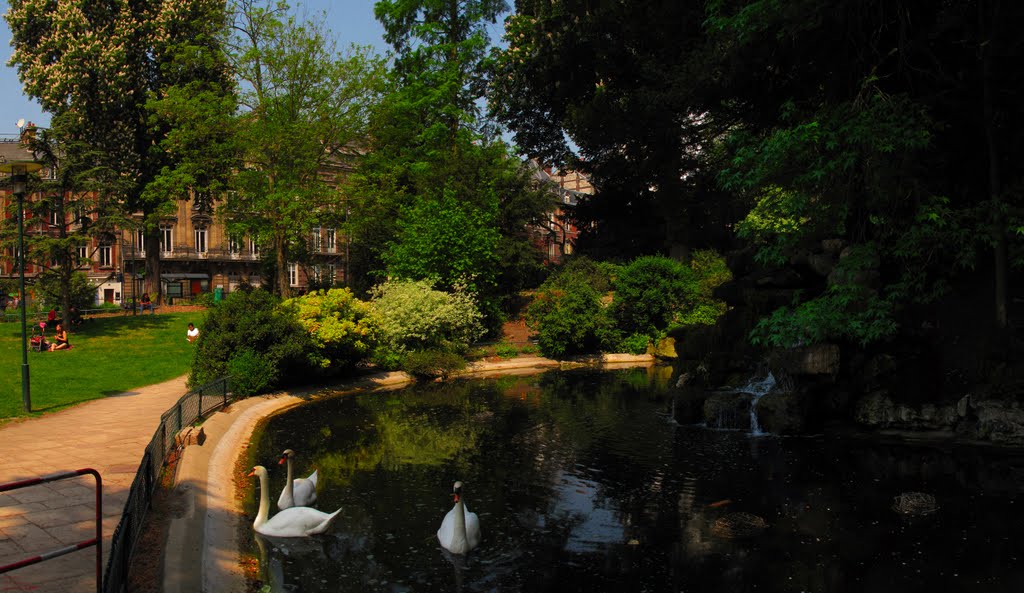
column 126, row 550
column 224, row 386
column 200, row 396
column 178, row 408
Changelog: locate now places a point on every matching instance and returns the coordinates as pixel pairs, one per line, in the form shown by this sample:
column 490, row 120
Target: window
column 106, row 253
column 234, row 244
column 55, row 217
column 165, row 239
column 317, row 243
column 200, row 240
column 331, row 240
column 293, row 274
column 331, row 273
column 83, row 254
column 80, row 217
column 140, row 242
column 317, row 274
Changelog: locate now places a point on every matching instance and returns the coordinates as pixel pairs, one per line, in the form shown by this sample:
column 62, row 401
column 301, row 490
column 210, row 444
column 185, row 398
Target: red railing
column 96, row 541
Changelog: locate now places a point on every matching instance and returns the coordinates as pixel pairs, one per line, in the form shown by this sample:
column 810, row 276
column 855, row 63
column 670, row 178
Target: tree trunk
column 283, row 286
column 998, row 217
column 151, row 283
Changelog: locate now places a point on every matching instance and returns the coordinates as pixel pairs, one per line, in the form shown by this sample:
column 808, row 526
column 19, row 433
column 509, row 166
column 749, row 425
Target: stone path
column 109, row 435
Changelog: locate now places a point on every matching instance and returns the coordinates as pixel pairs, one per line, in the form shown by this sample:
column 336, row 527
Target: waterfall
column 757, row 387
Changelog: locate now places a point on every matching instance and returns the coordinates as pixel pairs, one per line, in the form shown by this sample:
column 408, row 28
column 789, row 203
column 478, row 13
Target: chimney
column 28, row 133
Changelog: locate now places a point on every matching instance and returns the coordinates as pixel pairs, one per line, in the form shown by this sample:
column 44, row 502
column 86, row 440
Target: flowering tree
column 144, row 84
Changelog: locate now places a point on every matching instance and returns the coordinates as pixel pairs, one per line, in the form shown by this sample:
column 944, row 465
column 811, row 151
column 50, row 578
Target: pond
column 583, row 482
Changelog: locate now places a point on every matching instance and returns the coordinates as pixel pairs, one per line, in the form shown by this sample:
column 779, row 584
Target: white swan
column 293, row 522
column 460, row 530
column 300, row 492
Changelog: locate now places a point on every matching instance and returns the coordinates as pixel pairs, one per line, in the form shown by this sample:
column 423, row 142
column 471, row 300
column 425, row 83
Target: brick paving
column 109, row 435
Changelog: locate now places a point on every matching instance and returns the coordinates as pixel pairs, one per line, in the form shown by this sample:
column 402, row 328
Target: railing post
column 224, row 386
column 200, row 396
column 178, row 408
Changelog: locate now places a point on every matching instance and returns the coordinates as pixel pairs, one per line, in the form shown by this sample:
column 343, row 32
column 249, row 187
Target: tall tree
column 441, row 197
column 146, row 84
column 76, row 215
column 613, row 89
column 304, row 111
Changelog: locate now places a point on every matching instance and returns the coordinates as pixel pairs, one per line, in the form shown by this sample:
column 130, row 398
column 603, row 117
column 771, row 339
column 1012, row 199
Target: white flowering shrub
column 413, row 316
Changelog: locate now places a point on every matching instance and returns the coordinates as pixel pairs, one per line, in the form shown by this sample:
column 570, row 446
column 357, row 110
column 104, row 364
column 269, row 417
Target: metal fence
column 192, row 406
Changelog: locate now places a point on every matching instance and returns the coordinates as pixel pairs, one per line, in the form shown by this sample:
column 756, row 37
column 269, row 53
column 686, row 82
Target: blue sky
column 351, row 21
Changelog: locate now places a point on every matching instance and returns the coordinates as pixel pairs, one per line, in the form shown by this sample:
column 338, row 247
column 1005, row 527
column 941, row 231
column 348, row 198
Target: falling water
column 757, row 387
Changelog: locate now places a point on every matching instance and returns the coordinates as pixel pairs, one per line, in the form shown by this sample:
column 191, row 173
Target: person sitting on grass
column 192, row 334
column 60, row 339
column 146, row 303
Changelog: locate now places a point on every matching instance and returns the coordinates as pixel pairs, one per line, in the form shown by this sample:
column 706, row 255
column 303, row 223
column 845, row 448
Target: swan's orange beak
column 455, row 496
column 252, row 473
column 283, row 459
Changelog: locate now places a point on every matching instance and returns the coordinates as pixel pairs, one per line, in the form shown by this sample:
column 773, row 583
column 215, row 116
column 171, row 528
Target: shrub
column 340, row 326
column 570, row 320
column 251, row 373
column 413, row 316
column 650, row 292
column 711, row 271
column 506, row 349
column 431, row 364
column 250, row 320
column 635, row 344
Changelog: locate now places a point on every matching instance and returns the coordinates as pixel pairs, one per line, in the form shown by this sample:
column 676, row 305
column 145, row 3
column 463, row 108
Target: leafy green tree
column 461, row 200
column 145, row 85
column 305, row 109
column 613, row 89
column 76, row 211
column 897, row 135
column 445, row 241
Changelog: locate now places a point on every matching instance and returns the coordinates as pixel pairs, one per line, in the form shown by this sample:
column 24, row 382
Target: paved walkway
column 109, row 435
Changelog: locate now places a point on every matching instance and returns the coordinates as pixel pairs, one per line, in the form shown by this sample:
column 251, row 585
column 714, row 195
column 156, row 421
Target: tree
column 304, row 111
column 897, row 136
column 461, row 199
column 144, row 84
column 76, row 205
column 613, row 89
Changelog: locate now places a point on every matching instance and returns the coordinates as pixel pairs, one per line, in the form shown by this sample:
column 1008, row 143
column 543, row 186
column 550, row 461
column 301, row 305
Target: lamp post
column 19, row 170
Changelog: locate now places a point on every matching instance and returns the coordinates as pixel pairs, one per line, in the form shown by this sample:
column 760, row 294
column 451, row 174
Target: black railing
column 192, row 406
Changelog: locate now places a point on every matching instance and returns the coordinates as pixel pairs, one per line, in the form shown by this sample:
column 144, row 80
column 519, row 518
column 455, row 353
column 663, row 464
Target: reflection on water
column 582, row 483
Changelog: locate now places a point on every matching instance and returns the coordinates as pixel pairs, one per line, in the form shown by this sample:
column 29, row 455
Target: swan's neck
column 460, row 519
column 290, row 484
column 261, row 516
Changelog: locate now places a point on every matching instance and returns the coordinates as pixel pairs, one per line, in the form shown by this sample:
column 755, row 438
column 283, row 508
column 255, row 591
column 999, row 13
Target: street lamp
column 19, row 170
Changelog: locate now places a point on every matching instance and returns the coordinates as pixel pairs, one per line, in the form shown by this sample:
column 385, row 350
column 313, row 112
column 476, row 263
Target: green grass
column 110, row 355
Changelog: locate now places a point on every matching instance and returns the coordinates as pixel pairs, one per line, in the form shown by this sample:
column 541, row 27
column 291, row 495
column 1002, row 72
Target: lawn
column 110, row 355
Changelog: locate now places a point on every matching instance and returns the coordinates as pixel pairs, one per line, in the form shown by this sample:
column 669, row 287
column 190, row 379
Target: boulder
column 664, row 348
column 728, row 410
column 999, row 420
column 879, row 410
column 688, row 404
column 782, row 412
column 817, row 359
column 821, row 263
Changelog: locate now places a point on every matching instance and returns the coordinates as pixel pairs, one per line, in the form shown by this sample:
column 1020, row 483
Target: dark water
column 582, row 483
